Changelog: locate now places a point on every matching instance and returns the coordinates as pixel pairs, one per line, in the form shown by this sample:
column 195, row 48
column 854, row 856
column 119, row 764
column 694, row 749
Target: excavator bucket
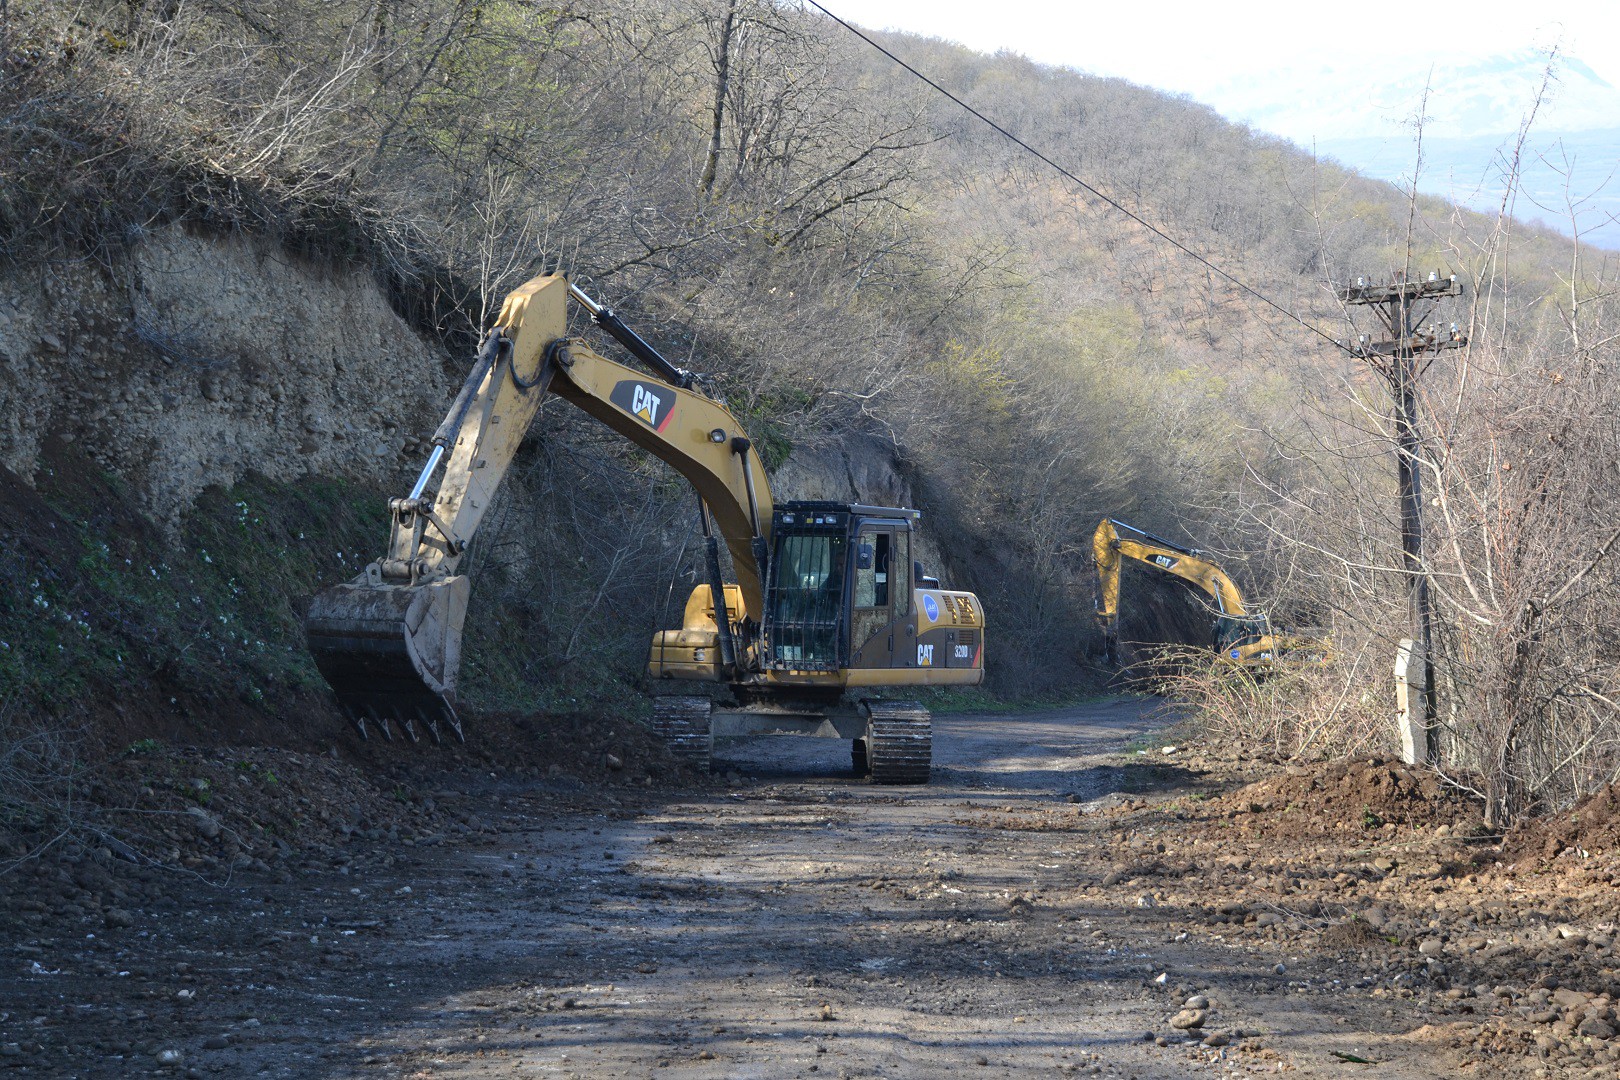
column 391, row 652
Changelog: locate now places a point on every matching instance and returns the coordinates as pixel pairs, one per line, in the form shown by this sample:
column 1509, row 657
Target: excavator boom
column 389, row 642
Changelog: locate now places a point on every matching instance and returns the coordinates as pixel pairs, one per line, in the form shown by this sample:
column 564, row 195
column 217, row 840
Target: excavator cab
column 1244, row 638
column 842, row 591
column 806, row 601
column 845, row 605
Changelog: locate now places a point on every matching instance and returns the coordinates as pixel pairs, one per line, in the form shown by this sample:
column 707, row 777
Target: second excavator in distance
column 829, row 608
column 1239, row 636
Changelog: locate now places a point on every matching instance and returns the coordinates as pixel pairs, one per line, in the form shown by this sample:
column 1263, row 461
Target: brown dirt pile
column 1591, row 828
column 214, row 811
column 1373, row 794
column 591, row 749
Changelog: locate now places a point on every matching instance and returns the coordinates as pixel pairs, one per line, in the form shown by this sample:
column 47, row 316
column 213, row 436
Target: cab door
column 872, row 598
column 883, row 631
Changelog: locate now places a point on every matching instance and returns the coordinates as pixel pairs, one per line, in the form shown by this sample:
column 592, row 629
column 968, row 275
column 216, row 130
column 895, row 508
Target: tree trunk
column 722, row 79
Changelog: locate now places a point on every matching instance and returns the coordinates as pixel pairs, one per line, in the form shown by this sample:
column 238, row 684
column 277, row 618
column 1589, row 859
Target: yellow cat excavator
column 828, row 607
column 1240, row 636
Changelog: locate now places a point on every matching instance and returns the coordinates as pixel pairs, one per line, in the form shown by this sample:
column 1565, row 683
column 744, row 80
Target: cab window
column 902, row 574
column 873, row 559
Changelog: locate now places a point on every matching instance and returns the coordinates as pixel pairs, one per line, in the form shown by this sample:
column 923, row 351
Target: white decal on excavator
column 653, row 407
column 645, row 404
column 925, row 656
column 1163, row 560
column 964, row 652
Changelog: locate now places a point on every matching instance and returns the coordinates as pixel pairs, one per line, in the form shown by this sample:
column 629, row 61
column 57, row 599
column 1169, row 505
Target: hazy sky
column 1288, row 59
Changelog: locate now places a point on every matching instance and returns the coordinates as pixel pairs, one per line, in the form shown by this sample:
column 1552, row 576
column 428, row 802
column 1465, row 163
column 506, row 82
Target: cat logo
column 1163, row 562
column 652, row 406
column 925, row 656
column 645, row 405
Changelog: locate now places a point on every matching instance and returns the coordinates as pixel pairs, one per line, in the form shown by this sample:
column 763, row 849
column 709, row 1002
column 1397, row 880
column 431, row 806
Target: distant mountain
column 1467, row 98
column 1567, row 179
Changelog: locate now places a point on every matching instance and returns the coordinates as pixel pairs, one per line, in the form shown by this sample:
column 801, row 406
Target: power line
column 1148, row 225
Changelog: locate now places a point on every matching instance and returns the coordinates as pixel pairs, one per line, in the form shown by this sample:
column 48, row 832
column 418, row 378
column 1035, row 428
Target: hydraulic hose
column 722, row 617
column 487, row 356
column 717, row 588
column 608, row 320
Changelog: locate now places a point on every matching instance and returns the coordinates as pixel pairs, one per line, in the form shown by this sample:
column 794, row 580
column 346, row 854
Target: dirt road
column 787, row 921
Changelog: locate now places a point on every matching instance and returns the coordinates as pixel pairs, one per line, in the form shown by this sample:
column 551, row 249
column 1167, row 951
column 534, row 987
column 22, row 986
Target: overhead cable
column 1148, row 225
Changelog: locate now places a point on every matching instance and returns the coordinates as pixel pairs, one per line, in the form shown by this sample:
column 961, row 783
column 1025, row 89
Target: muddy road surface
column 781, row 920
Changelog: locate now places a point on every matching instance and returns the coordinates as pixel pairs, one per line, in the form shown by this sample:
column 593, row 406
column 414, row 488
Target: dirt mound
column 215, row 811
column 1351, row 934
column 1592, row 827
column 157, row 822
column 1372, row 794
column 117, row 835
column 585, row 747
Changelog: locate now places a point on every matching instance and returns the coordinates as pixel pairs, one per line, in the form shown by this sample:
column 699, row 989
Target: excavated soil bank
column 217, row 811
column 1589, row 829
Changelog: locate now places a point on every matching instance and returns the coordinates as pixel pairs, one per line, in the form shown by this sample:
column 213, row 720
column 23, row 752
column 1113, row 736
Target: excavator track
column 899, row 742
column 682, row 721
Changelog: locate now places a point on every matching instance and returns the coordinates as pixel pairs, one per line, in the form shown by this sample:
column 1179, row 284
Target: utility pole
column 1396, row 359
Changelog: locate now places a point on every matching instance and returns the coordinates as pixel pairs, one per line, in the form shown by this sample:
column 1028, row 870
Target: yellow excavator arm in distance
column 1115, row 541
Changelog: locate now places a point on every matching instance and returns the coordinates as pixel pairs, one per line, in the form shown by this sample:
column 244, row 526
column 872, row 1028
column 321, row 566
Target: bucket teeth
column 370, row 719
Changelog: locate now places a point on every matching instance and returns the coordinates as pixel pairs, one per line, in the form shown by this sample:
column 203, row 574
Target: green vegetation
column 220, row 614
column 217, row 614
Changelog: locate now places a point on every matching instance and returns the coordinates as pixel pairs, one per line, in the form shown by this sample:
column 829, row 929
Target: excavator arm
column 1115, row 541
column 389, row 642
